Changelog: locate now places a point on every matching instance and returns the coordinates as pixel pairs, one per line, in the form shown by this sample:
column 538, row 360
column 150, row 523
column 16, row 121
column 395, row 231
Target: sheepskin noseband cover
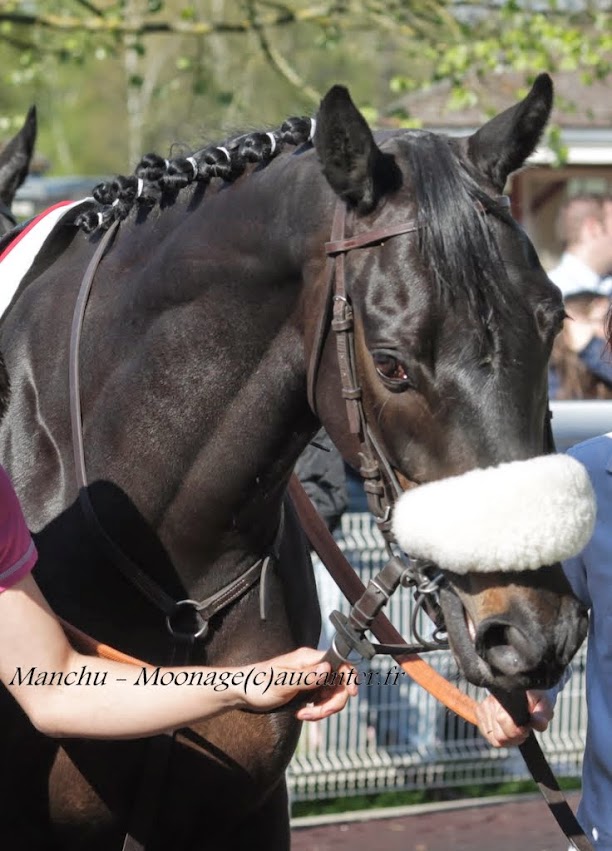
column 517, row 516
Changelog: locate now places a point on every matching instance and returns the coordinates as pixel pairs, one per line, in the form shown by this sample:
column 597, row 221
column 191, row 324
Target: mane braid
column 456, row 238
column 156, row 178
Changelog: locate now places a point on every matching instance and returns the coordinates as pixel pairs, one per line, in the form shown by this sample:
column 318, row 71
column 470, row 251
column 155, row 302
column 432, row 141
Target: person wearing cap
column 579, row 367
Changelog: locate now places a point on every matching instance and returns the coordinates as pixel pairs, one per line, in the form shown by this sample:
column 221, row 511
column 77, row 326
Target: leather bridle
column 380, row 482
column 379, row 477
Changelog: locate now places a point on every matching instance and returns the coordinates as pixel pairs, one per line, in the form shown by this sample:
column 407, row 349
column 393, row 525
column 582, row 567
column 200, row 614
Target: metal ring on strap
column 182, row 634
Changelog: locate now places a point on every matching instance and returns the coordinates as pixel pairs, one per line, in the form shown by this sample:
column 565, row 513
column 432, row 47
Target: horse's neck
column 233, row 487
column 193, row 372
column 241, row 384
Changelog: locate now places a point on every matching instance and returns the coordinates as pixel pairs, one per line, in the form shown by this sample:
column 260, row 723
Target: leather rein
column 380, row 480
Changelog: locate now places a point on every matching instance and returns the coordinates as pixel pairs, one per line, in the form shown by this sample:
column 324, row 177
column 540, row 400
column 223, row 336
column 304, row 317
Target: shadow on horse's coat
column 203, row 318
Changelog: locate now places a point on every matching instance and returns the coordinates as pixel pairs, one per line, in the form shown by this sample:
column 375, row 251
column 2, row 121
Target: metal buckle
column 180, row 634
column 350, row 636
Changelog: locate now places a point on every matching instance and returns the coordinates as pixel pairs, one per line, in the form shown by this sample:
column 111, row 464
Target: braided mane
column 155, row 176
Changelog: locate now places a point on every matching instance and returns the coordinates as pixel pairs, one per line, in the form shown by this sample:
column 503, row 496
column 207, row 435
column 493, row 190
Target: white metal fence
column 394, row 735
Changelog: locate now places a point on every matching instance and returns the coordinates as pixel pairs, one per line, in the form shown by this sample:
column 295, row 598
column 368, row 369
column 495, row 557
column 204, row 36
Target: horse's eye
column 391, row 370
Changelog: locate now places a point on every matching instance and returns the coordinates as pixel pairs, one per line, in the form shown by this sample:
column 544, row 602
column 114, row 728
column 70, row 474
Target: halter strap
column 203, row 610
column 370, row 237
column 335, row 249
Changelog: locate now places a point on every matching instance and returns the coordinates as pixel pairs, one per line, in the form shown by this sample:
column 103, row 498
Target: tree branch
column 278, row 61
column 90, row 7
column 319, row 14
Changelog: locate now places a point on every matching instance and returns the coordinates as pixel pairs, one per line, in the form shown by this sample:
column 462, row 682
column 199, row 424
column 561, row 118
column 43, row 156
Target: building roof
column 577, row 105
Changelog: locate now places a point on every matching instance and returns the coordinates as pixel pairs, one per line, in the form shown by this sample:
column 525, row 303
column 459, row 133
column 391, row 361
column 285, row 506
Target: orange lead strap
column 351, row 586
column 91, row 646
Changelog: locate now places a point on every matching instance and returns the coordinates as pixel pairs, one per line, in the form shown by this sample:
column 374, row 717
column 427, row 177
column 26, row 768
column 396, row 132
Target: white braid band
column 140, row 187
column 192, row 162
column 313, row 129
column 226, row 152
column 272, row 139
column 518, row 516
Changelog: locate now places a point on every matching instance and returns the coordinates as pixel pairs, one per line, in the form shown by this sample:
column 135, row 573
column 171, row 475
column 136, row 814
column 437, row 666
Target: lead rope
column 424, row 675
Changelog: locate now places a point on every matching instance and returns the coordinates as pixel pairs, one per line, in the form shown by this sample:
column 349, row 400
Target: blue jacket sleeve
column 597, row 360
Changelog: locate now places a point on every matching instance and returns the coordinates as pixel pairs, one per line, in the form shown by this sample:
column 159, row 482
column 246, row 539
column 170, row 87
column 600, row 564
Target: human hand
column 585, row 321
column 578, row 333
column 271, row 684
column 497, row 726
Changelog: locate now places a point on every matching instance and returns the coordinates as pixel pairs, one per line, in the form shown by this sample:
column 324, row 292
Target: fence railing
column 394, row 735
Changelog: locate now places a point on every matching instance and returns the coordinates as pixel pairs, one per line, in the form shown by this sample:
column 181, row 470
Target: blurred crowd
column 580, row 364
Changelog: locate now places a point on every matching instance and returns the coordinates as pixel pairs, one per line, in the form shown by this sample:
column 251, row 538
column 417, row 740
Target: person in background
column 320, row 469
column 106, row 704
column 579, row 365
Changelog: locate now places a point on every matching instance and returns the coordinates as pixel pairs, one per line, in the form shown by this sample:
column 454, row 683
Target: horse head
column 454, row 320
column 15, row 160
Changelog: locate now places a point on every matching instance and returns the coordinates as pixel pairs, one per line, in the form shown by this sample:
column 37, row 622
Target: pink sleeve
column 17, row 551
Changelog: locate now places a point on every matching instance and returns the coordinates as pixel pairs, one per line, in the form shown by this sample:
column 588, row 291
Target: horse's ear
column 15, row 158
column 355, row 167
column 504, row 143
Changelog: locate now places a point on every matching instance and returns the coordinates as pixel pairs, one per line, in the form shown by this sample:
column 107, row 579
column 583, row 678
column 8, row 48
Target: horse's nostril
column 506, row 648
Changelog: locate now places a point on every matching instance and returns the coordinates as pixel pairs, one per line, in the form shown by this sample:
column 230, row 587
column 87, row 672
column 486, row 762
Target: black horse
column 15, row 159
column 207, row 324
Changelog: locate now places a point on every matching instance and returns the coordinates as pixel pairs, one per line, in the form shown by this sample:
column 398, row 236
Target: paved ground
column 519, row 825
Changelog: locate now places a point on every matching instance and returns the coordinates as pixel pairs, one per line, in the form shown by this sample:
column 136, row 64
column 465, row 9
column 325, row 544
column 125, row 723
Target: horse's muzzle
column 526, row 653
column 511, row 652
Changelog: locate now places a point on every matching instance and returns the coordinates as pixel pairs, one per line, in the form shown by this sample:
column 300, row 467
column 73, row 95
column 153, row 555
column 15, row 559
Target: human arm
column 31, row 637
column 584, row 334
